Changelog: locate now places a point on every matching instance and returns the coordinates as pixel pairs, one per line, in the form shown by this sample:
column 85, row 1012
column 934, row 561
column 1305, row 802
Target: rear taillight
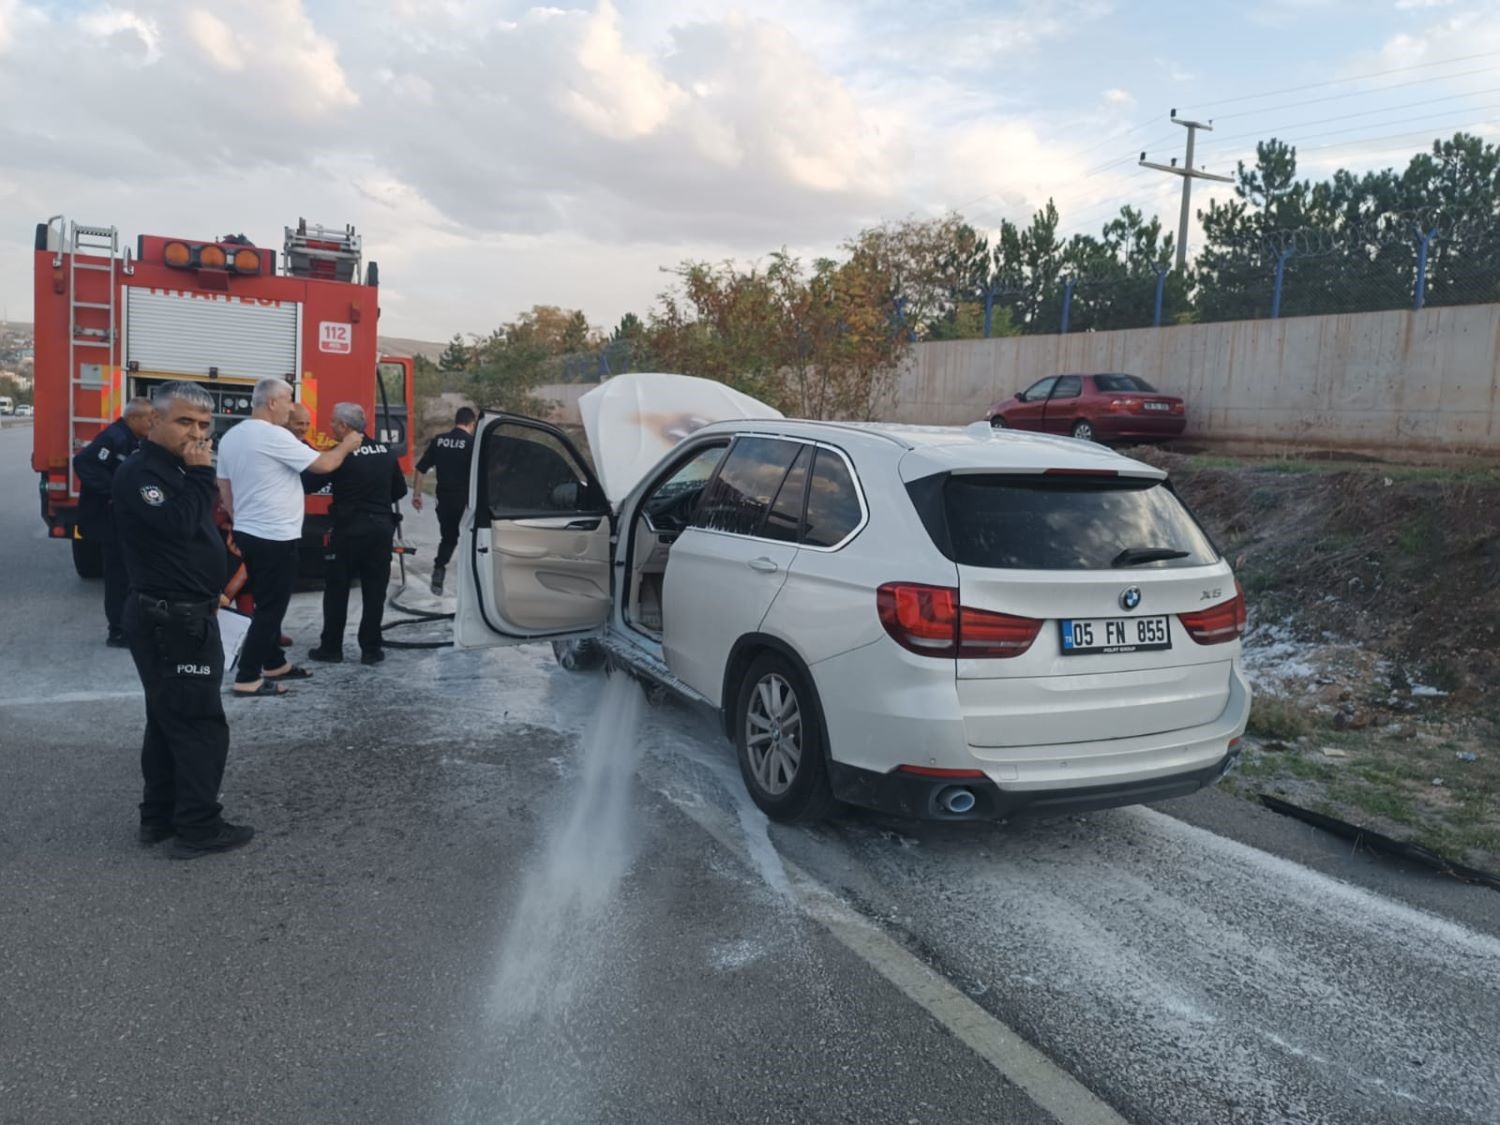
column 1124, row 405
column 928, row 620
column 1217, row 624
column 1179, row 408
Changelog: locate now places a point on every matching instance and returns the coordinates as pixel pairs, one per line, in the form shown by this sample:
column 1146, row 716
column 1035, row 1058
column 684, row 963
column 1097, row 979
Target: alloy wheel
column 1083, row 431
column 773, row 734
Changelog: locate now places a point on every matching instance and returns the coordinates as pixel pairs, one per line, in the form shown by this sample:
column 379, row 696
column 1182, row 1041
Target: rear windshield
column 1061, row 523
column 1113, row 384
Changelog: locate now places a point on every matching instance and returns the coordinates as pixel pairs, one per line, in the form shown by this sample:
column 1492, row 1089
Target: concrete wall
column 1370, row 381
column 1384, row 382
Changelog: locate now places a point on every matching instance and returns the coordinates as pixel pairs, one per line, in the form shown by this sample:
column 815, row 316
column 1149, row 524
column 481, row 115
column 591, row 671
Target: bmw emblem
column 1130, row 597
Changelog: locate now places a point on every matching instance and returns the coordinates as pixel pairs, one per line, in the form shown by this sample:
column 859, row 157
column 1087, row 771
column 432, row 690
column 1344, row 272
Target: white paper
column 232, row 629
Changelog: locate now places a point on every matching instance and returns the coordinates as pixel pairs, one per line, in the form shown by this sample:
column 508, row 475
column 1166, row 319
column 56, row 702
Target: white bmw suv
column 934, row 622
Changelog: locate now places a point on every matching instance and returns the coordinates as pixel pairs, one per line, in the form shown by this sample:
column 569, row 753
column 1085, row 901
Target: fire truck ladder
column 85, row 341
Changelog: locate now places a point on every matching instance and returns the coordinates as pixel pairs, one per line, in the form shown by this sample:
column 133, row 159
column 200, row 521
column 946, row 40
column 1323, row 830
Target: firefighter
column 366, row 489
column 450, row 454
column 95, row 466
column 164, row 499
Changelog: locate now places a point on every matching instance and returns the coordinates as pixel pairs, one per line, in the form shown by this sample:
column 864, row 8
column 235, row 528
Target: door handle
column 764, row 565
column 583, row 525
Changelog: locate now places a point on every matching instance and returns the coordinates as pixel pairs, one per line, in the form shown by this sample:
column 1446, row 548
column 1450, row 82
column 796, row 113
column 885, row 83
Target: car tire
column 997, row 422
column 785, row 768
column 88, row 559
column 1083, row 430
column 579, row 656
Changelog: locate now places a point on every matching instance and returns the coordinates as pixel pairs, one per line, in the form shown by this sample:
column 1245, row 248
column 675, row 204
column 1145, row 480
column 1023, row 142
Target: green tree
column 455, row 356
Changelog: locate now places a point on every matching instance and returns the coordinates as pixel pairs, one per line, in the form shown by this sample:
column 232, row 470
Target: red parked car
column 1101, row 408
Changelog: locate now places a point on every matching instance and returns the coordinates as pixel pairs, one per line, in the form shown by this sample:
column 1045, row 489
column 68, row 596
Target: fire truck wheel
column 88, row 559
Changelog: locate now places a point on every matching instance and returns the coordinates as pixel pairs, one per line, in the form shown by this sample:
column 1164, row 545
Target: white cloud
column 1119, row 97
column 129, row 33
column 216, row 39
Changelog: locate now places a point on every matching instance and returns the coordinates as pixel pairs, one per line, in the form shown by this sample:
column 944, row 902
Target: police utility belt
column 165, row 611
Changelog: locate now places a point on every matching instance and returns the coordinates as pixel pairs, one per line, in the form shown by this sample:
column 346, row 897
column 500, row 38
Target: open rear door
column 534, row 552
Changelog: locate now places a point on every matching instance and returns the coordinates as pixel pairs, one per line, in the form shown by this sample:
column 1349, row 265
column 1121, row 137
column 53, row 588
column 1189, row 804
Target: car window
column 833, row 508
column 739, row 497
column 671, row 506
column 784, row 521
column 1068, row 386
column 528, row 470
column 1116, row 384
column 1038, row 390
column 1062, row 523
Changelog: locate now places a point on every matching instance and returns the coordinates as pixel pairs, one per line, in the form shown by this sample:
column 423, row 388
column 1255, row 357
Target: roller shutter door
column 182, row 334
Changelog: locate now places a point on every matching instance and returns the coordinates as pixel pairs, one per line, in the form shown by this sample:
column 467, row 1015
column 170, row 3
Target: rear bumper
column 1139, row 427
column 919, row 798
column 883, row 709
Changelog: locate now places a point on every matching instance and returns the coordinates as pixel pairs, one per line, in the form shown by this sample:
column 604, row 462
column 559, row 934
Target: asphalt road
column 488, row 890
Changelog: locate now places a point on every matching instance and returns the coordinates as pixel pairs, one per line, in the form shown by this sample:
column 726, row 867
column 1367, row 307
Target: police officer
column 365, row 488
column 95, row 466
column 450, row 454
column 164, row 499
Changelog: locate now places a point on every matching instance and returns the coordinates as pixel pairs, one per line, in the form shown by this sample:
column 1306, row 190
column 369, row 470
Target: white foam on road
column 1196, row 979
column 556, row 929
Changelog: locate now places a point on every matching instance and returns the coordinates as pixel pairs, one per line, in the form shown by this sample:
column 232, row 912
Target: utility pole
column 1188, row 174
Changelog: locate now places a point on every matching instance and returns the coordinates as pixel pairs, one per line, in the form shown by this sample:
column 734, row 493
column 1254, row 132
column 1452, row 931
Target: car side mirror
column 566, row 495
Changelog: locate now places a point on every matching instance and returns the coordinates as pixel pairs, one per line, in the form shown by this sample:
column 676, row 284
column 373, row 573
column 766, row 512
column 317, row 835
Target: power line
column 1479, row 129
column 1358, row 93
column 1220, row 142
column 1352, row 78
column 1397, row 121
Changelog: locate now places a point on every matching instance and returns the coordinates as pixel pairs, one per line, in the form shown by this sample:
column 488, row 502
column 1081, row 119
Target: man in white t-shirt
column 260, row 467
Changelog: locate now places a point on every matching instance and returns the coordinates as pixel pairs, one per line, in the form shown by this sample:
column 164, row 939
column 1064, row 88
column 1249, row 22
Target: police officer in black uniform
column 95, row 466
column 450, row 454
column 365, row 489
column 164, row 500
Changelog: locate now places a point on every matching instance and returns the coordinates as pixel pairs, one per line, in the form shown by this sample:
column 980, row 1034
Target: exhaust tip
column 956, row 799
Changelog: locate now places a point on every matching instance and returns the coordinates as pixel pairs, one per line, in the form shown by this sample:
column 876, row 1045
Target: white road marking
column 71, row 697
column 1043, row 1081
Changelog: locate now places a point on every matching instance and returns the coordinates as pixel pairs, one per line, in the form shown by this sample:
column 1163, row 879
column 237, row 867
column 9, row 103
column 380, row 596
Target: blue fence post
column 1424, row 243
column 1161, row 269
column 1067, row 302
column 1281, row 256
column 989, row 310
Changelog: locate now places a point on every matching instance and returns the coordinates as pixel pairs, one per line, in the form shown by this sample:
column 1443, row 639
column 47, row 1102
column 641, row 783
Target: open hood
column 633, row 420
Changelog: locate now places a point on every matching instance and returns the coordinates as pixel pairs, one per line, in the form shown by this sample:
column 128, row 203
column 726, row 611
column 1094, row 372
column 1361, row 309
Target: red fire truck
column 222, row 313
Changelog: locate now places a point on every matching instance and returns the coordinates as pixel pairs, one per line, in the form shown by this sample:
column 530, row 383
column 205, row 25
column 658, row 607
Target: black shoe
column 227, row 838
column 372, row 656
column 325, row 655
column 154, row 833
column 116, row 639
column 438, row 574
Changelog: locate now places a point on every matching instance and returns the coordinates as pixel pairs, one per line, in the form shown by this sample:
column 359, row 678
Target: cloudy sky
column 496, row 155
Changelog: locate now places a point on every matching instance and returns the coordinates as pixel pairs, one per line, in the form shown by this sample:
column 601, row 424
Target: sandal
column 295, row 672
column 267, row 687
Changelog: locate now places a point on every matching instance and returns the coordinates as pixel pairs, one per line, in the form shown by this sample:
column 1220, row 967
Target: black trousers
column 450, row 512
column 360, row 552
column 180, row 661
column 116, row 583
column 271, row 575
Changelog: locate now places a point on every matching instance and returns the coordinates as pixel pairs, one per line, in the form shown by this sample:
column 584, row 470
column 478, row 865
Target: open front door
column 534, row 552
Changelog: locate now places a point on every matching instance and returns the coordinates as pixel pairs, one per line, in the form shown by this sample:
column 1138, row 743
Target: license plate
column 1111, row 635
column 1158, row 406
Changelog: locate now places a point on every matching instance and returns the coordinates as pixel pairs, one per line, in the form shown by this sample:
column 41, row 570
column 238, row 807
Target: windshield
column 1015, row 522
